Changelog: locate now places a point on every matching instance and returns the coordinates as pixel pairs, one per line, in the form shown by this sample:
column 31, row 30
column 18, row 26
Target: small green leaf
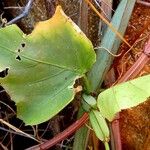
column 44, row 65
column 99, row 125
column 123, row 96
column 90, row 101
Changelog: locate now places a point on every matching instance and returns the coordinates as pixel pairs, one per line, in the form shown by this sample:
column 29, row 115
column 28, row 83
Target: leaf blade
column 41, row 82
column 123, row 96
column 99, row 125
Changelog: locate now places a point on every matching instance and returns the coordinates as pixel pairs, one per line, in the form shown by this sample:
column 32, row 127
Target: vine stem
column 138, row 65
column 143, row 3
column 63, row 135
column 106, row 146
column 130, row 74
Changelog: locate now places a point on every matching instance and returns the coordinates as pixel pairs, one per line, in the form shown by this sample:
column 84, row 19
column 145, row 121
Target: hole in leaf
column 23, row 45
column 19, row 50
column 4, row 73
column 18, row 58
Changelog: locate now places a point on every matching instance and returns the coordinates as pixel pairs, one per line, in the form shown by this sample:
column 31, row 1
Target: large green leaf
column 124, row 96
column 43, row 66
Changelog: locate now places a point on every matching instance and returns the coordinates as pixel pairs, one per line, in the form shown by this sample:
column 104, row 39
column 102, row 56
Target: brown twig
column 107, row 22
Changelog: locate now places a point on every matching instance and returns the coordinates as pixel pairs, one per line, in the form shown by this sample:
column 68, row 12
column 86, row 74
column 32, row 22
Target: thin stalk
column 107, row 22
column 106, row 146
column 143, row 3
column 115, row 126
column 63, row 135
column 87, row 84
column 138, row 65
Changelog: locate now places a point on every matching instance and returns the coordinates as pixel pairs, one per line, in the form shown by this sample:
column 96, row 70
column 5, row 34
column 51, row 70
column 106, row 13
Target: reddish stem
column 116, row 133
column 143, row 3
column 138, row 65
column 130, row 74
column 63, row 135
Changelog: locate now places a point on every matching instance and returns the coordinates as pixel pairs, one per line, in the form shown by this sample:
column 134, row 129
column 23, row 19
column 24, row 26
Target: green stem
column 106, row 146
column 87, row 84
